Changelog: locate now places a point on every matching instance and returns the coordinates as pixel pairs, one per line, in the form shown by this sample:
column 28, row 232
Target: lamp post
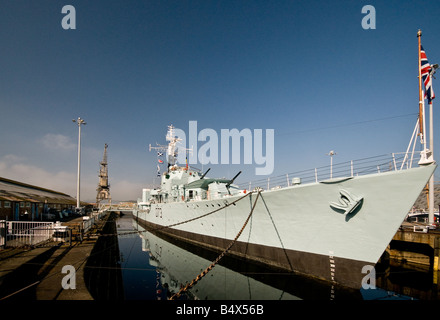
column 79, row 121
column 331, row 154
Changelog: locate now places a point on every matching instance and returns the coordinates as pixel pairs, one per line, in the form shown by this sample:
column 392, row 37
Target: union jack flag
column 426, row 70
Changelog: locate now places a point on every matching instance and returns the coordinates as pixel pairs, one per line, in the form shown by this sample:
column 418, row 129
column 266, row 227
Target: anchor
column 348, row 202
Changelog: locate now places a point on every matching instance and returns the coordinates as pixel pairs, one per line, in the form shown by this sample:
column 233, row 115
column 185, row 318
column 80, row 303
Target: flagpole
column 421, row 113
column 431, row 134
column 431, row 180
column 431, row 129
column 424, row 128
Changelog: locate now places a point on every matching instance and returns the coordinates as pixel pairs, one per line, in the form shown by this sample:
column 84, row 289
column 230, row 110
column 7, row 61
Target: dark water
column 155, row 268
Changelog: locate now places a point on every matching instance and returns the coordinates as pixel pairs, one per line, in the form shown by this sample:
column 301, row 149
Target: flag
column 159, row 154
column 158, row 171
column 186, row 163
column 160, row 161
column 426, row 75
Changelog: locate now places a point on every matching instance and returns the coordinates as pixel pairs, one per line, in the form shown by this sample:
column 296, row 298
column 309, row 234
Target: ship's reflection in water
column 155, row 266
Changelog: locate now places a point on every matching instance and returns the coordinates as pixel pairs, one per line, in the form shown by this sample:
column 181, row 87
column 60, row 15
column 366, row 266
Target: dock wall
column 102, row 273
column 36, row 273
column 417, row 248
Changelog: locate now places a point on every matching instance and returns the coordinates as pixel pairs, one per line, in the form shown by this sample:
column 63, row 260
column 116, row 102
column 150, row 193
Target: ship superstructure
column 184, row 183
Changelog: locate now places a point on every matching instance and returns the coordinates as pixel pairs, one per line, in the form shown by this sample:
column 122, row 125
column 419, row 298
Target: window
column 7, row 204
column 28, row 204
column 21, row 204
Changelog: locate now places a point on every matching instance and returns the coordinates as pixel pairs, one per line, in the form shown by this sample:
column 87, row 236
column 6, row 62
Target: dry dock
column 37, row 273
column 416, row 244
column 410, row 264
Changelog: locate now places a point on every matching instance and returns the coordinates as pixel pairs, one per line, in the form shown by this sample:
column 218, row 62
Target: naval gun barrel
column 205, row 173
column 232, row 180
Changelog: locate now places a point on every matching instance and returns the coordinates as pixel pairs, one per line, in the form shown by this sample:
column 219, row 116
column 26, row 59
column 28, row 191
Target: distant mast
column 103, row 190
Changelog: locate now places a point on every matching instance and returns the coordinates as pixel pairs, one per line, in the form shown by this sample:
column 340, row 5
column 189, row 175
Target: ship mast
column 171, row 149
column 173, row 140
column 427, row 154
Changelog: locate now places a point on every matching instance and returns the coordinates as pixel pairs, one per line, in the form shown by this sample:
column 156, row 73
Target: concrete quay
column 37, row 273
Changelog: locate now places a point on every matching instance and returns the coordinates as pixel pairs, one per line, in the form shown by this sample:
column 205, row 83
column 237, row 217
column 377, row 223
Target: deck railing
column 375, row 164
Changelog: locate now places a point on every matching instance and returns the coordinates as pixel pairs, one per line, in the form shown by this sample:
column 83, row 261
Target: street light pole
column 331, row 154
column 79, row 122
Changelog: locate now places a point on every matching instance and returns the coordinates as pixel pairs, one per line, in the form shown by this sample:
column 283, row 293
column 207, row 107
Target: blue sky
column 306, row 69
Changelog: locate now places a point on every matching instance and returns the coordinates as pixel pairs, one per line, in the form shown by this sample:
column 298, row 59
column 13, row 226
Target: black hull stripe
column 336, row 270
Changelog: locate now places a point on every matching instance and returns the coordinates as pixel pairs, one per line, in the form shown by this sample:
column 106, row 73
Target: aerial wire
column 349, row 124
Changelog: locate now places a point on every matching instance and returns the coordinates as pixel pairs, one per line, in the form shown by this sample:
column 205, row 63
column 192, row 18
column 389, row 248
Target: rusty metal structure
column 103, row 190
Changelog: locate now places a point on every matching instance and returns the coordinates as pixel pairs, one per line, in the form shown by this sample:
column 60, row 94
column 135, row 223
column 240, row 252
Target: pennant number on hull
column 159, row 212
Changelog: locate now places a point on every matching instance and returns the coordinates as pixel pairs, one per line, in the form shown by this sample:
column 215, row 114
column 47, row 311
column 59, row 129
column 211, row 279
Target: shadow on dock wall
column 26, row 276
column 406, row 268
column 420, row 254
column 102, row 274
column 422, row 248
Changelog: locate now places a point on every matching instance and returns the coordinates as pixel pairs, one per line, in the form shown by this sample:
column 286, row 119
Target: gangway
column 123, row 206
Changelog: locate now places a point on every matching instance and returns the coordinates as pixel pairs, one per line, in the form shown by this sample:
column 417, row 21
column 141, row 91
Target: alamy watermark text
column 228, row 148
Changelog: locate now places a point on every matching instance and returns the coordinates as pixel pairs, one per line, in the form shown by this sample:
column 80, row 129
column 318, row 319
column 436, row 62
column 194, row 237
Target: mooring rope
column 278, row 234
column 212, row 265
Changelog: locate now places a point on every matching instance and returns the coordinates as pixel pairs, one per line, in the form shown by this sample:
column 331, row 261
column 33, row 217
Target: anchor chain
column 212, row 265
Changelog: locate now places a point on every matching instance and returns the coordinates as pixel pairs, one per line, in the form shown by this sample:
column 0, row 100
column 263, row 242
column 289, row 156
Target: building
column 21, row 201
column 421, row 203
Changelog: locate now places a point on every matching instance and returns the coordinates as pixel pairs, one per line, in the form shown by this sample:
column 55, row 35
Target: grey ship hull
column 302, row 228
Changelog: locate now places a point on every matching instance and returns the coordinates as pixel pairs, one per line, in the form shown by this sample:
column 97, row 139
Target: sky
column 306, row 69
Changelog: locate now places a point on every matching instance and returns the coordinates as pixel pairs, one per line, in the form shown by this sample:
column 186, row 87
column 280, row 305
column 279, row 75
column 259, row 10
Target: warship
column 329, row 229
column 335, row 229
